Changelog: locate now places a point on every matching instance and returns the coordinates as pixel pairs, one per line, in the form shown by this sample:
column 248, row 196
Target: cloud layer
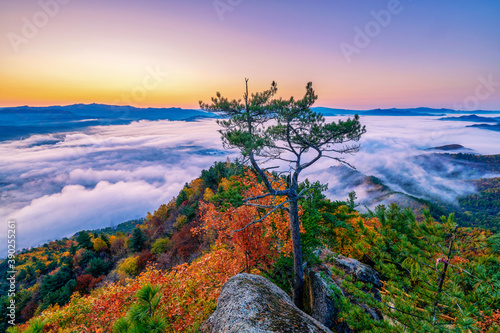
column 55, row 185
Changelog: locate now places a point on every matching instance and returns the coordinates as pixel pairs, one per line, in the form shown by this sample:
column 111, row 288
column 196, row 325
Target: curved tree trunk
column 298, row 283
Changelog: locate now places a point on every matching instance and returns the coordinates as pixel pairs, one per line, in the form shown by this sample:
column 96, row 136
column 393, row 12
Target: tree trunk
column 298, row 270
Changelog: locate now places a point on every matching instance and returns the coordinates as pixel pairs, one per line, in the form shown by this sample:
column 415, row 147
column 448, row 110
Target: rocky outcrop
column 323, row 289
column 251, row 303
column 322, row 299
column 361, row 271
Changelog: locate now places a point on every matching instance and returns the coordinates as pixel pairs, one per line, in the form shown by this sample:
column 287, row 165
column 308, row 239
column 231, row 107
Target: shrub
column 128, row 266
column 100, row 245
column 161, row 245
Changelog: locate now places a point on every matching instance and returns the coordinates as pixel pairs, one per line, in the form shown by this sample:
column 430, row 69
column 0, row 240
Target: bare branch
column 340, row 160
column 262, row 218
column 258, row 197
column 263, row 206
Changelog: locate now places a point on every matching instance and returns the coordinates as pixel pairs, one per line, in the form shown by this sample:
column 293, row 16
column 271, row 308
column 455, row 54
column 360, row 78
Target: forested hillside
column 482, row 208
column 175, row 263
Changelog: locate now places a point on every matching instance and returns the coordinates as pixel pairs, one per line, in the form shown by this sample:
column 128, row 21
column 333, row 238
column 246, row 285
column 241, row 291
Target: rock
column 361, row 271
column 322, row 290
column 322, row 299
column 251, row 303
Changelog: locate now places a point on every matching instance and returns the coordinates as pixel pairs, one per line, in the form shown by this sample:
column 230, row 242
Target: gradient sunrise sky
column 427, row 53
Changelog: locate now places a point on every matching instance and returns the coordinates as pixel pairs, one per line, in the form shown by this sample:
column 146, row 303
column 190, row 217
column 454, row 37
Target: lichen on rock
column 251, row 303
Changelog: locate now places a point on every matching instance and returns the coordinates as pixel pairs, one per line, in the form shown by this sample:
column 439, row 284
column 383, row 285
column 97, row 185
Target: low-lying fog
column 55, row 185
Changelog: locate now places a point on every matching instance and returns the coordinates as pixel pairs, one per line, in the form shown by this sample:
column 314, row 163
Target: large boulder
column 251, row 303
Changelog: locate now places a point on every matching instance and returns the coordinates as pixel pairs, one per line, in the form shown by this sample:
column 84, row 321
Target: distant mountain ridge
column 108, row 111
column 22, row 121
column 495, row 127
column 473, row 118
column 421, row 111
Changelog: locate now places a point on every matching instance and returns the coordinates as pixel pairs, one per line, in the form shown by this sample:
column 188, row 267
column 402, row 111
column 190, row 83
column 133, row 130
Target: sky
column 57, row 184
column 360, row 54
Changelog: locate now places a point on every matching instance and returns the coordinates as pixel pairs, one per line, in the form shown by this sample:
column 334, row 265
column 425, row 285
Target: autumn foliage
column 218, row 238
column 257, row 244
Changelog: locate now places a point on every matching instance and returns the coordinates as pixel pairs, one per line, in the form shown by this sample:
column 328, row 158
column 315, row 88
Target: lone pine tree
column 267, row 129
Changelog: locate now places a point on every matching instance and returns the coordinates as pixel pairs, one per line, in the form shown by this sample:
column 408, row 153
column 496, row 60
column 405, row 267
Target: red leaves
column 257, row 244
column 489, row 323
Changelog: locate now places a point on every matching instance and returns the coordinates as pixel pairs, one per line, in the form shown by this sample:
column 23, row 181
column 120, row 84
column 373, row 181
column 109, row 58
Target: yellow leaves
column 180, row 222
column 99, row 245
column 128, row 266
column 208, row 194
column 189, row 295
column 161, row 245
column 225, row 183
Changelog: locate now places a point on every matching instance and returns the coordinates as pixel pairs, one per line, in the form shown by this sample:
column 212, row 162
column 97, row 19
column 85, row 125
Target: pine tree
column 143, row 316
column 84, row 240
column 432, row 279
column 276, row 130
column 138, row 240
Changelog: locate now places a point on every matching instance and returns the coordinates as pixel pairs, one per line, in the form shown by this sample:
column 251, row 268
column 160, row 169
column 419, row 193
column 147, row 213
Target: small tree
column 296, row 135
column 143, row 315
column 437, row 277
column 84, row 240
column 138, row 240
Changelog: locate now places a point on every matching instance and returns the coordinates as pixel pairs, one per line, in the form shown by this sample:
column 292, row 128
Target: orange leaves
column 254, row 243
column 189, row 296
column 490, row 323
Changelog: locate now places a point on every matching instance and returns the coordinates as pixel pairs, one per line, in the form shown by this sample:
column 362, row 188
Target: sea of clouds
column 58, row 184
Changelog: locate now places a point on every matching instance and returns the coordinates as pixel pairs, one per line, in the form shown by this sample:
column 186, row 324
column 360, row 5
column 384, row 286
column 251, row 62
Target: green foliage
column 125, row 228
column 36, row 326
column 104, row 237
column 142, row 316
column 181, row 198
column 84, row 240
column 53, row 282
column 490, row 163
column 189, row 210
column 281, row 273
column 213, row 176
column 311, row 219
column 494, row 243
column 161, row 245
column 57, row 288
column 138, row 240
column 86, row 257
column 230, row 197
column 482, row 209
column 98, row 267
column 434, row 281
column 60, row 296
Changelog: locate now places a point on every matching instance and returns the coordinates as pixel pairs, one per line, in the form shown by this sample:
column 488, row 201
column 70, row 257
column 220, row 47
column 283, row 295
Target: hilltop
column 188, row 248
